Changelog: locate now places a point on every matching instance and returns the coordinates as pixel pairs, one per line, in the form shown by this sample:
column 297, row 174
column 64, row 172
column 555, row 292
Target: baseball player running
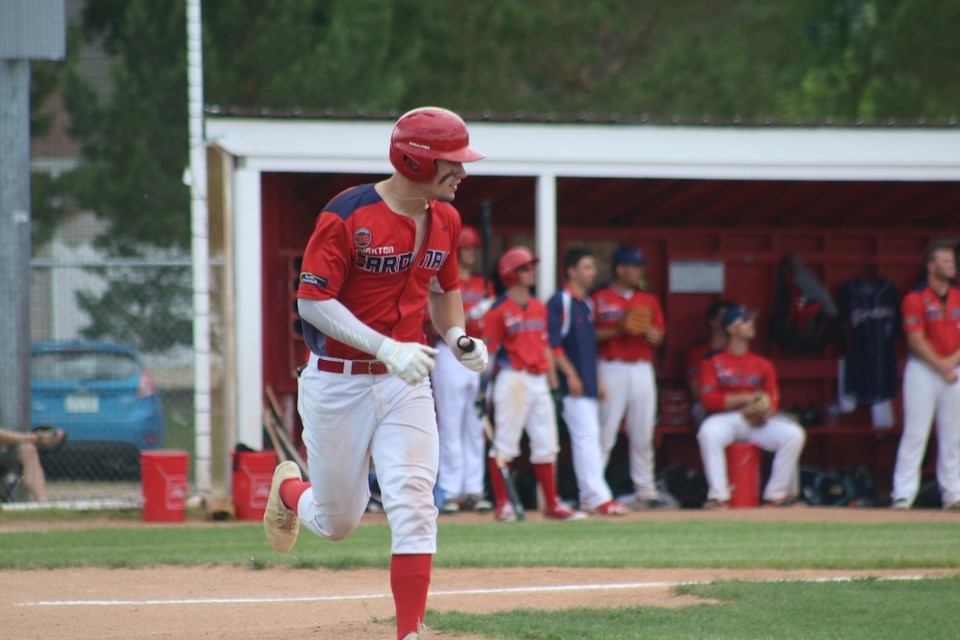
column 515, row 329
column 931, row 320
column 739, row 389
column 574, row 343
column 456, row 388
column 379, row 254
column 630, row 326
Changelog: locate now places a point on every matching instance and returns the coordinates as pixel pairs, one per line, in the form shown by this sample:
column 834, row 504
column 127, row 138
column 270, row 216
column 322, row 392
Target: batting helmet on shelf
column 469, row 237
column 512, row 260
column 427, row 134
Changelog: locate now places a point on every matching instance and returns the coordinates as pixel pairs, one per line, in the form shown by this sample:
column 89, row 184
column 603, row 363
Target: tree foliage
column 720, row 59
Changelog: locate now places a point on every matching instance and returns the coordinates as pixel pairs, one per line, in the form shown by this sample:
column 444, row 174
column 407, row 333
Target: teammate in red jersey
column 715, row 340
column 729, row 381
column 515, row 329
column 456, row 388
column 379, row 255
column 931, row 320
column 626, row 370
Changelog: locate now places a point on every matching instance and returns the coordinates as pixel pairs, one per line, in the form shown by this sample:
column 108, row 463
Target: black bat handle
column 465, row 344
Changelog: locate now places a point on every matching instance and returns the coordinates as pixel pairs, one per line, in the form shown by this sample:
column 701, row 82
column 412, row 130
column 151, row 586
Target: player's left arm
column 657, row 328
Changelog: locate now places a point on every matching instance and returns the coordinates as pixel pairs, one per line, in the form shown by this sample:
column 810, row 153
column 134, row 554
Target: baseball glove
column 636, row 320
column 759, row 409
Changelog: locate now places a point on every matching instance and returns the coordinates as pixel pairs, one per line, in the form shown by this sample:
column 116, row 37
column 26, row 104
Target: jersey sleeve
column 555, row 322
column 493, row 328
column 912, row 311
column 710, row 395
column 326, row 260
column 449, row 275
column 770, row 385
column 657, row 319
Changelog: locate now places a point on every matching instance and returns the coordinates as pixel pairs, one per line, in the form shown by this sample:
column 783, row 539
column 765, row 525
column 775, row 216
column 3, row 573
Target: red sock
column 290, row 492
column 548, row 483
column 497, row 483
column 409, row 580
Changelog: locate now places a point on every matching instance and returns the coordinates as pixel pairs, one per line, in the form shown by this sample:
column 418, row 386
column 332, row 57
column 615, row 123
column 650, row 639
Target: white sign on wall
column 696, row 276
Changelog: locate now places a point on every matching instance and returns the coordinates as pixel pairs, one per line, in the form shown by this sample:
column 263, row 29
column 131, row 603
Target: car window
column 82, row 366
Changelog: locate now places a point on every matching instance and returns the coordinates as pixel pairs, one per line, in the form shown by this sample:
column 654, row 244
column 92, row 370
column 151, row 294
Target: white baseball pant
column 462, row 462
column 522, row 401
column 582, row 416
column 925, row 394
column 346, row 420
column 779, row 434
column 632, row 399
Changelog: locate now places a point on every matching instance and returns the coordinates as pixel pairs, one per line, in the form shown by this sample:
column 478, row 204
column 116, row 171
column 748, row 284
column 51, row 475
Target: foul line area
column 452, row 592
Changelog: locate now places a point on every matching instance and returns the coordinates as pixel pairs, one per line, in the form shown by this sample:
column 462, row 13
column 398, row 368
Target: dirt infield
column 289, row 604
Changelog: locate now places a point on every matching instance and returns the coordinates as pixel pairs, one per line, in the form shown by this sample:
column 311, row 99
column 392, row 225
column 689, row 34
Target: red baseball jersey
column 939, row 320
column 724, row 373
column 518, row 335
column 361, row 253
column 473, row 291
column 610, row 306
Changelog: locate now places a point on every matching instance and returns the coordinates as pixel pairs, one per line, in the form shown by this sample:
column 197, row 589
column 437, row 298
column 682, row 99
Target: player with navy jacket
column 574, row 343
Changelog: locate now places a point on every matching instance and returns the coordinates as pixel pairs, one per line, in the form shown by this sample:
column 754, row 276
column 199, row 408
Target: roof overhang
column 615, row 151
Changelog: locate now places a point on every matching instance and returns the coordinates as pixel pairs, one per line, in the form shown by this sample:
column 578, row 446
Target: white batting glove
column 412, row 362
column 470, row 352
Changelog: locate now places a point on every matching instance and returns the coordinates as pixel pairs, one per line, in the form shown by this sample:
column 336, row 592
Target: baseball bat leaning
column 466, row 345
column 278, row 434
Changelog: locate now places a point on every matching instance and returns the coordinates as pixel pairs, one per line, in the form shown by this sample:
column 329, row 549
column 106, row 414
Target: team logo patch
column 362, row 237
column 317, row 281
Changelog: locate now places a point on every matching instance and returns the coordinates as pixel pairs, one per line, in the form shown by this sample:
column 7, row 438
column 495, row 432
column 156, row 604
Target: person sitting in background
column 739, row 389
column 19, row 449
column 715, row 340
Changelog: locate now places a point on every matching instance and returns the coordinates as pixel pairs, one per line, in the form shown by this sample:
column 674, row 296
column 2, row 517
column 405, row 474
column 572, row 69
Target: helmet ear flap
column 411, row 163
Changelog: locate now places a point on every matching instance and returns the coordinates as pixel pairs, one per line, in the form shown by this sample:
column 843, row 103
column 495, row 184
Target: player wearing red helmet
column 456, row 388
column 379, row 255
column 516, row 330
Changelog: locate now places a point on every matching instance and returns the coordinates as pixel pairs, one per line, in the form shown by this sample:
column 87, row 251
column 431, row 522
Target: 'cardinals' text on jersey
column 362, row 253
column 724, row 373
column 610, row 306
column 939, row 320
column 518, row 334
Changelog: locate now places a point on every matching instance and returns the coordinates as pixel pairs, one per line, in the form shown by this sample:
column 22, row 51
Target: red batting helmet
column 469, row 237
column 427, row 134
column 512, row 260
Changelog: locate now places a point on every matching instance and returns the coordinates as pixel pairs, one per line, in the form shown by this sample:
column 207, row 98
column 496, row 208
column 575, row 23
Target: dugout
column 714, row 207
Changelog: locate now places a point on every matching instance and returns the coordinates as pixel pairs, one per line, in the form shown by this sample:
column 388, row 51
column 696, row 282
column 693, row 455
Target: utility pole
column 29, row 30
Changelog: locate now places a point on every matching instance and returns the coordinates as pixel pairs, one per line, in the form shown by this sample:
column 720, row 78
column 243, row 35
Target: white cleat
column 280, row 523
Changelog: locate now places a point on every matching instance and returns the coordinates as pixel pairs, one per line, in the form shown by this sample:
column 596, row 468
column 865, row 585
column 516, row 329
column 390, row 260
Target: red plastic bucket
column 252, row 476
column 164, row 481
column 743, row 473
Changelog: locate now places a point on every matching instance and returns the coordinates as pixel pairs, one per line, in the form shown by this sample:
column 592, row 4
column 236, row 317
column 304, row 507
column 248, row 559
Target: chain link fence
column 112, row 365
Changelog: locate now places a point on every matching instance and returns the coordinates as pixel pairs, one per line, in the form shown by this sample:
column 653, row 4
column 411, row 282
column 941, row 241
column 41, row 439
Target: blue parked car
column 95, row 391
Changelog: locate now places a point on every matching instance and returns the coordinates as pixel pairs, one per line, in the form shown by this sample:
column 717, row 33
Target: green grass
column 863, row 608
column 690, row 543
column 866, row 608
